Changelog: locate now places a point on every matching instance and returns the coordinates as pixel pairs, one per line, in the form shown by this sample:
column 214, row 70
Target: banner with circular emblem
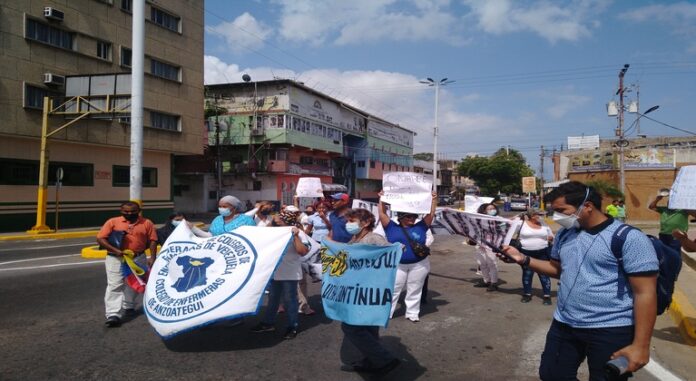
column 198, row 281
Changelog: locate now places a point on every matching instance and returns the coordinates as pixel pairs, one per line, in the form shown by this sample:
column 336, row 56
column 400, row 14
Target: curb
column 684, row 315
column 688, row 259
column 94, row 252
column 23, row 237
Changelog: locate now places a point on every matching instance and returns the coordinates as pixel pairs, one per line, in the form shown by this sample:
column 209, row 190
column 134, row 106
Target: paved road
column 51, row 327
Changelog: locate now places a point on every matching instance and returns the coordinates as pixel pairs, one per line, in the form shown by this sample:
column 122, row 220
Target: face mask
column 224, row 212
column 265, row 212
column 130, row 217
column 492, row 212
column 566, row 221
column 353, row 228
column 176, row 222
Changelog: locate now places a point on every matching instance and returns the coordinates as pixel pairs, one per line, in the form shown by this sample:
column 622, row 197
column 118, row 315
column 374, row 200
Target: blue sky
column 527, row 73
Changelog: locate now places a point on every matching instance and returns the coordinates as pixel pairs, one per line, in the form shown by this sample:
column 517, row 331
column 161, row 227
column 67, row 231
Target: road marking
column 660, row 372
column 50, row 247
column 38, row 259
column 49, row 266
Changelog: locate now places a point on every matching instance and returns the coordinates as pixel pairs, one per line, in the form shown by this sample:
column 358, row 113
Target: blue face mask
column 224, row 211
column 353, row 228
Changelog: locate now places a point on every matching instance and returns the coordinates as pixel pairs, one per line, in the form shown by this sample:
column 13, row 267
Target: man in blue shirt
column 337, row 230
column 605, row 309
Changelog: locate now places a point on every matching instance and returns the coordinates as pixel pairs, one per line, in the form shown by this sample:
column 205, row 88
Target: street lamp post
column 436, row 84
column 620, row 132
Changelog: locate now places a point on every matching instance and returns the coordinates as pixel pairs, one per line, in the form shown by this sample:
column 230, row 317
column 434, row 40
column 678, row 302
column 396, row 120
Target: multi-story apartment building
column 45, row 42
column 268, row 134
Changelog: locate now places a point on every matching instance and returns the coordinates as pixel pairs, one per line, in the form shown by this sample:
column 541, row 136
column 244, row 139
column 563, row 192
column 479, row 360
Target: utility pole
column 137, row 79
column 436, row 84
column 218, row 149
column 619, row 131
column 541, row 180
column 637, row 108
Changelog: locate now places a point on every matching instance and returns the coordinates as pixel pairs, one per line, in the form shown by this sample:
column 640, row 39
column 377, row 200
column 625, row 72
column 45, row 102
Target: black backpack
column 670, row 264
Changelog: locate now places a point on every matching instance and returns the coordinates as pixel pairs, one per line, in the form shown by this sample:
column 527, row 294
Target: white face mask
column 570, row 221
column 224, row 212
column 492, row 212
column 353, row 228
column 176, row 222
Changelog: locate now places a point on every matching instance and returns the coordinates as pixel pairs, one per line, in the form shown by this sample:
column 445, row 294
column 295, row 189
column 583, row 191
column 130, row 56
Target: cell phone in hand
column 497, row 250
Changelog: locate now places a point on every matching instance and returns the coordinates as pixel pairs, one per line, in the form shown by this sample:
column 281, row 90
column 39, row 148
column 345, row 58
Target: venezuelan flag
column 134, row 275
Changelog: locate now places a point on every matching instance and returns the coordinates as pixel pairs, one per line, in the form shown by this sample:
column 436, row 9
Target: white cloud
column 549, row 20
column 681, row 17
column 243, row 33
column 359, row 21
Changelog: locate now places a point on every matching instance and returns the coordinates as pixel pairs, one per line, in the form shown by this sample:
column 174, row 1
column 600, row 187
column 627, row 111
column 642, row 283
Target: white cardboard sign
column 309, row 187
column 683, row 193
column 408, row 191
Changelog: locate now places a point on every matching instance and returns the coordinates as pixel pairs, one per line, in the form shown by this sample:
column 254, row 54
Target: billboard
column 637, row 158
column 583, row 142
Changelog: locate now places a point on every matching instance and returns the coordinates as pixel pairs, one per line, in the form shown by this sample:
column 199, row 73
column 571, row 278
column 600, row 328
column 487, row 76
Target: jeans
column 566, row 348
column 669, row 240
column 528, row 275
column 287, row 291
column 366, row 340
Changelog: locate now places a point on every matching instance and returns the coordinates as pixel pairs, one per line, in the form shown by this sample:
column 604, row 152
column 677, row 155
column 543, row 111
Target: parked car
column 518, row 204
column 444, row 200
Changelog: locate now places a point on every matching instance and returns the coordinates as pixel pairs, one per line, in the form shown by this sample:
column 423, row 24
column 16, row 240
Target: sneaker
column 526, row 298
column 262, row 327
column 492, row 287
column 482, row 284
column 358, row 366
column 112, row 322
column 290, row 334
column 547, row 301
column 130, row 312
column 413, row 319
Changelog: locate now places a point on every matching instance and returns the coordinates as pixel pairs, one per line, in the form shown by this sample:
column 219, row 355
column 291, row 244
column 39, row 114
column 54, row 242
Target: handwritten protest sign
column 309, row 187
column 374, row 208
column 197, row 281
column 683, row 193
column 480, row 228
column 408, row 191
column 358, row 282
column 472, row 203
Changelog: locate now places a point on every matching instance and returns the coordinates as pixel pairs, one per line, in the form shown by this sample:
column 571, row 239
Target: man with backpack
column 607, row 303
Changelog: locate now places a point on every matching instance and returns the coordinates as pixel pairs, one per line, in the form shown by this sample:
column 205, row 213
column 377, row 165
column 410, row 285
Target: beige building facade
column 45, row 44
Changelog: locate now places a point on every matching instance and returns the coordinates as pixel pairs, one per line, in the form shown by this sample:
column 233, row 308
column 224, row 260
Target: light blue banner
column 358, row 282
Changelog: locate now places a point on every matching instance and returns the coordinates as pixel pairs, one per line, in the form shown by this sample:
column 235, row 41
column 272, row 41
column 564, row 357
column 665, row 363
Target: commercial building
column 263, row 136
column 650, row 164
column 82, row 47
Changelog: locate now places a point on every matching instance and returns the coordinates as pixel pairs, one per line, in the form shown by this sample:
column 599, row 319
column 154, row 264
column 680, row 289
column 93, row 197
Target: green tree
column 425, row 156
column 503, row 171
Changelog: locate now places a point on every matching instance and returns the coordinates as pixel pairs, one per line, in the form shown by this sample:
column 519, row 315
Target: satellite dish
column 246, row 78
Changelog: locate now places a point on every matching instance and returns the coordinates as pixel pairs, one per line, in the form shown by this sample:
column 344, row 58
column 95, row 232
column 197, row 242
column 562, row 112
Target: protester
column 414, row 265
column 173, row 221
column 605, row 309
column 485, row 257
column 285, row 278
column 613, row 209
column 376, row 358
column 337, row 219
column 671, row 220
column 231, row 216
column 129, row 234
column 262, row 216
column 318, row 224
column 535, row 238
column 621, row 211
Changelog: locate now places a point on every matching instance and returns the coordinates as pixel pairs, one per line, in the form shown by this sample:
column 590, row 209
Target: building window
column 361, row 163
column 26, row 172
column 49, row 34
column 34, row 96
column 126, row 57
column 104, row 50
column 278, row 155
column 164, row 121
column 121, row 176
column 127, row 5
column 164, row 19
column 164, row 70
column 307, row 160
column 372, row 163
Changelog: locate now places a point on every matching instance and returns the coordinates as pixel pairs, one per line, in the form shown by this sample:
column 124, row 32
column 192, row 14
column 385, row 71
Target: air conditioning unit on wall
column 53, row 14
column 53, row 79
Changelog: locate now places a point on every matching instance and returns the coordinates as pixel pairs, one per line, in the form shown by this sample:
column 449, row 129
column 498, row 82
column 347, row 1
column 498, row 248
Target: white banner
column 197, row 281
column 481, row 228
column 408, row 191
column 472, row 203
column 309, row 187
column 683, row 193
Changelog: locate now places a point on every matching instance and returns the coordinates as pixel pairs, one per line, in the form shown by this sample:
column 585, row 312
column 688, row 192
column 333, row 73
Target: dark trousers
column 366, row 340
column 566, row 348
column 668, row 240
column 528, row 275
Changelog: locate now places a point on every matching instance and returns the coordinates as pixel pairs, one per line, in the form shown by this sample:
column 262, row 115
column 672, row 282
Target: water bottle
column 616, row 367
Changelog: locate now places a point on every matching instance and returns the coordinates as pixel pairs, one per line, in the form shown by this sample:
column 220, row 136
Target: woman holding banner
column 231, row 216
column 486, row 257
column 376, row 359
column 415, row 264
